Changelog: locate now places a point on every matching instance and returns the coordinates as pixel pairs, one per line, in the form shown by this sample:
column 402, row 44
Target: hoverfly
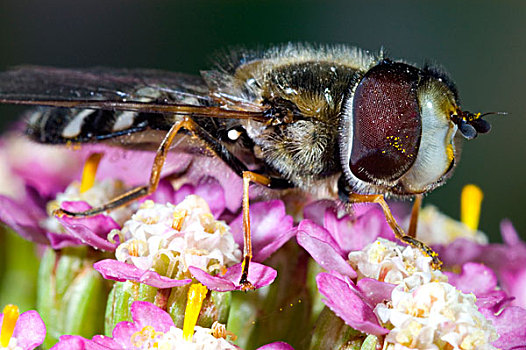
column 361, row 125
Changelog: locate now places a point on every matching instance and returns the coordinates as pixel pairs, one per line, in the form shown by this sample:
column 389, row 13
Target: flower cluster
column 153, row 328
column 177, row 237
column 390, row 290
column 165, row 272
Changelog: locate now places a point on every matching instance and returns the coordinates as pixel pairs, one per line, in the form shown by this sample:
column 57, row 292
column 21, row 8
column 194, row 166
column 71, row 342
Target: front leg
column 350, row 197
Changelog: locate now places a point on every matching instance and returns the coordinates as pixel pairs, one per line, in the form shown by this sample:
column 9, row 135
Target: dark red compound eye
column 386, row 122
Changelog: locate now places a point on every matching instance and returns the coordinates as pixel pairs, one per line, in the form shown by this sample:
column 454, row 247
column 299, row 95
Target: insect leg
column 413, row 224
column 248, row 177
column 138, row 192
column 398, row 231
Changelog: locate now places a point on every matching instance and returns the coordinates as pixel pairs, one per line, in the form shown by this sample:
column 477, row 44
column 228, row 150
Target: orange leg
column 248, row 177
column 413, row 224
column 155, row 176
column 398, row 231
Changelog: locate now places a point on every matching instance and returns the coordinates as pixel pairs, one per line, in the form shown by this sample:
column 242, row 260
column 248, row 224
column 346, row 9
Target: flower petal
column 474, row 278
column 209, row 189
column 271, row 228
column 494, row 301
column 259, row 275
column 375, row 291
column 231, row 183
column 23, row 218
column 315, row 211
column 325, row 255
column 354, row 233
column 121, row 272
column 122, row 336
column 90, row 230
column 146, row 314
column 30, row 330
column 117, row 163
column 276, row 346
column 459, row 252
column 163, row 194
column 345, row 301
column 509, row 234
column 317, row 231
column 59, row 240
column 510, row 325
column 76, row 342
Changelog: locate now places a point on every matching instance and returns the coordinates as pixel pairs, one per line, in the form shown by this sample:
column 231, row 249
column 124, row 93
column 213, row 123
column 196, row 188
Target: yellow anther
column 470, row 203
column 145, row 336
column 219, row 331
column 179, row 217
column 89, row 172
column 11, row 314
column 133, row 248
column 196, row 295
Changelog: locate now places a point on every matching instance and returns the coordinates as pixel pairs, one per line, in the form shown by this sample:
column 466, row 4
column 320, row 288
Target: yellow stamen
column 11, row 314
column 179, row 217
column 133, row 248
column 196, row 295
column 89, row 172
column 470, row 203
column 145, row 336
column 219, row 331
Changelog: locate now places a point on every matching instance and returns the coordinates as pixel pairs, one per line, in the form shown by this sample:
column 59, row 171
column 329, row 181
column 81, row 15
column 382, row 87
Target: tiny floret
column 388, row 262
column 170, row 238
column 436, row 315
column 99, row 194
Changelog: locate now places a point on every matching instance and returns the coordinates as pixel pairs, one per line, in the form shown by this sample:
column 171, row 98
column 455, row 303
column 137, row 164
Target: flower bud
column 71, row 295
column 215, row 307
column 330, row 332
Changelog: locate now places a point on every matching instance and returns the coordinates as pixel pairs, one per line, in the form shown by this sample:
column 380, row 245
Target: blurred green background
column 481, row 43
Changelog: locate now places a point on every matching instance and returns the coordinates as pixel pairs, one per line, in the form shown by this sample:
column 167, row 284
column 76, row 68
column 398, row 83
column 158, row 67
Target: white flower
column 13, row 345
column 169, row 239
column 388, row 262
column 437, row 316
column 174, row 340
column 425, row 312
column 100, row 193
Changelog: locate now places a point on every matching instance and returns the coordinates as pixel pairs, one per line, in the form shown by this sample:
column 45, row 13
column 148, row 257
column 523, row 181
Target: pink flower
column 507, row 260
column 217, row 262
column 353, row 303
column 46, row 171
column 151, row 326
column 29, row 330
column 510, row 321
column 329, row 236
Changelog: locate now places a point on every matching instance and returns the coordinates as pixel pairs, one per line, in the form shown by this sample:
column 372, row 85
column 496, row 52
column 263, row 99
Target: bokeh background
column 481, row 43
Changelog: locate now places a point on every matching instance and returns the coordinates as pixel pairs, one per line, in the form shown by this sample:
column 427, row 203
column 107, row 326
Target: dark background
column 481, row 43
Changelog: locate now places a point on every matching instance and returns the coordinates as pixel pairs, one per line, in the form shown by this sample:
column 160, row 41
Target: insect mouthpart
column 470, row 124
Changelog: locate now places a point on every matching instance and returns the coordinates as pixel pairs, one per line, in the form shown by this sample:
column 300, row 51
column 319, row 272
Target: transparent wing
column 138, row 90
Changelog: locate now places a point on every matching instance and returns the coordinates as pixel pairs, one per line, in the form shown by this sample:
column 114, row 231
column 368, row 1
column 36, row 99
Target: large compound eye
column 386, row 122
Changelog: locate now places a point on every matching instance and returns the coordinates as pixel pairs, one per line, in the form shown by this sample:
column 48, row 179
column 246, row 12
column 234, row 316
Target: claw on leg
column 398, row 231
